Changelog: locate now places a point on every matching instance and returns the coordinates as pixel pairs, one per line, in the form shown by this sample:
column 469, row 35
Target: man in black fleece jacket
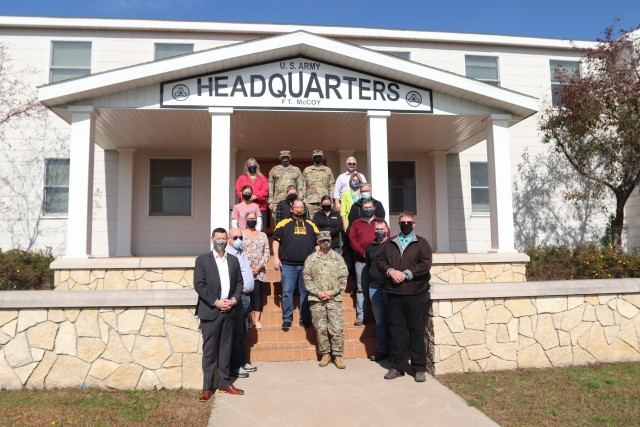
column 406, row 260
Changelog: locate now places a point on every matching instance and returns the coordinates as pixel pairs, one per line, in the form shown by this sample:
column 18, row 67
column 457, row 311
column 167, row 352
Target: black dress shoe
column 379, row 356
column 305, row 324
column 286, row 325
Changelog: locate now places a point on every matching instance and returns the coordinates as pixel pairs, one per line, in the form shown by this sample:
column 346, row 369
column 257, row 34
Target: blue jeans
column 238, row 356
column 290, row 276
column 362, row 293
column 379, row 306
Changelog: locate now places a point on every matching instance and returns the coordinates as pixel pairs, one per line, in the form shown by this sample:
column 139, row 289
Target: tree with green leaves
column 596, row 122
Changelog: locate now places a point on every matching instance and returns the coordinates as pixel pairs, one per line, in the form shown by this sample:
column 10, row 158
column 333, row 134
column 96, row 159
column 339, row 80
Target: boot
column 337, row 360
column 326, row 358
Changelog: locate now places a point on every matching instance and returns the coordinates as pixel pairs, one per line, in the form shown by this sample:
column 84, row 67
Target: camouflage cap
column 285, row 153
column 317, row 153
column 324, row 235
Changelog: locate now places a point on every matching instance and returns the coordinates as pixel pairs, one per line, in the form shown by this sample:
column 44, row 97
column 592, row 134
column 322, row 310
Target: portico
column 364, row 107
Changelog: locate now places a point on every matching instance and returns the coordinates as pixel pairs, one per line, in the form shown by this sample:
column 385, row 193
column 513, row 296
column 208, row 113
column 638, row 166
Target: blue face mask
column 381, row 234
column 237, row 244
column 368, row 212
column 251, row 223
column 252, row 169
column 355, row 184
column 366, row 195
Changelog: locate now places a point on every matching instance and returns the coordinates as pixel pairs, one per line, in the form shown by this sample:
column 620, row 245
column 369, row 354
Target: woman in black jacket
column 327, row 219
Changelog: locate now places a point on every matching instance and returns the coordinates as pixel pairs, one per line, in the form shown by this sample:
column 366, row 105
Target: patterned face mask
column 325, row 244
column 298, row 212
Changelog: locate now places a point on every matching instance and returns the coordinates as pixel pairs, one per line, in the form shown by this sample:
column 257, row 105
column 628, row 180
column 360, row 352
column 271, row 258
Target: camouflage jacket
column 325, row 272
column 280, row 178
column 319, row 182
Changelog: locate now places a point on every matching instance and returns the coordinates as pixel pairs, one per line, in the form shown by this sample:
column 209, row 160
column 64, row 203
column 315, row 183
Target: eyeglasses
column 236, row 237
column 351, row 164
column 407, row 222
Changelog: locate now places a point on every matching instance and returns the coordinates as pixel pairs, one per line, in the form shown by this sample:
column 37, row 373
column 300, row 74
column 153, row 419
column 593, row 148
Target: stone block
column 564, row 338
column 87, row 323
column 493, row 270
column 477, row 352
column 7, row 316
column 474, row 315
column 151, row 352
column 498, row 314
column 10, row 328
column 469, row 365
column 574, row 301
column 605, row 315
column 152, row 326
column 455, row 323
column 42, row 335
column 519, row 269
column 174, row 360
column 152, row 276
column 441, row 333
column 572, row 318
column 130, row 321
column 110, row 318
column 557, row 320
column 551, row 304
column 488, row 303
column 57, row 315
column 505, row 277
column 17, row 351
column 66, row 339
column 8, row 378
column 37, row 354
column 597, row 342
column 81, row 277
column 4, row 338
column 192, row 371
column 114, row 280
column 502, row 335
column 469, row 337
column 582, row 357
column 29, row 318
column 128, row 341
column 496, row 364
column 546, row 333
column 67, row 371
column 72, row 314
column 633, row 299
column 474, row 277
column 455, row 275
column 171, row 378
column 101, row 368
column 520, row 307
column 452, row 364
column 157, row 312
column 115, row 351
column 505, row 351
column 125, row 377
column 629, row 334
column 182, row 317
column 444, row 352
column 533, row 357
column 592, row 299
column 560, row 356
column 627, row 309
column 589, row 313
column 604, row 299
column 172, row 275
column 24, row 372
column 149, row 381
column 524, row 342
column 445, row 309
column 36, row 380
column 620, row 351
column 512, row 328
column 89, row 348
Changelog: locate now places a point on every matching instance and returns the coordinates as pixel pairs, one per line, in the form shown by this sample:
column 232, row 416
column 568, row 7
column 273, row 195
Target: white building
column 147, row 145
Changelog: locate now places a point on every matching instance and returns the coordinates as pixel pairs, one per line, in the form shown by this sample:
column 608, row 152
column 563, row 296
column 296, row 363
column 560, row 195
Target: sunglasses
column 351, row 164
column 236, row 237
column 406, row 222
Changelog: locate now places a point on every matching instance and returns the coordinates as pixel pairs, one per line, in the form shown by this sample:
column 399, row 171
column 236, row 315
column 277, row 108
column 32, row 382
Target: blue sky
column 570, row 19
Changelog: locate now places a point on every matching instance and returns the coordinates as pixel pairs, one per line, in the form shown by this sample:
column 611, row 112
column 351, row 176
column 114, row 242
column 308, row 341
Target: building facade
column 149, row 123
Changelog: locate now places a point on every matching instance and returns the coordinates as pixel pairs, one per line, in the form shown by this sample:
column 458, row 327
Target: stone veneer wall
column 123, row 279
column 533, row 325
column 117, row 347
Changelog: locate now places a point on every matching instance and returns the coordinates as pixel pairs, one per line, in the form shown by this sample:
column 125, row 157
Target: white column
column 80, row 182
column 441, row 201
column 220, row 166
column 233, row 175
column 377, row 157
column 125, row 201
column 500, row 198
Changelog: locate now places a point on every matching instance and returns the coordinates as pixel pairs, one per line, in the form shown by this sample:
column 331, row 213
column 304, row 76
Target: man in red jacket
column 406, row 260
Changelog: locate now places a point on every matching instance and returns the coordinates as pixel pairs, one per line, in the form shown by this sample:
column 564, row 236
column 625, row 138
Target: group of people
column 326, row 230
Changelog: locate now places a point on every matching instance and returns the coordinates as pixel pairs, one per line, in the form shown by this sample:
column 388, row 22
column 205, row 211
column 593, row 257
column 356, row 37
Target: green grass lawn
column 595, row 395
column 93, row 407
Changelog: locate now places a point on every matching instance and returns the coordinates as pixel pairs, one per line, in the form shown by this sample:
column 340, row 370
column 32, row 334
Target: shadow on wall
column 552, row 205
column 457, row 223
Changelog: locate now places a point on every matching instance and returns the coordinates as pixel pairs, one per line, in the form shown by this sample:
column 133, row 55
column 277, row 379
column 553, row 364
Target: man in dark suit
column 217, row 279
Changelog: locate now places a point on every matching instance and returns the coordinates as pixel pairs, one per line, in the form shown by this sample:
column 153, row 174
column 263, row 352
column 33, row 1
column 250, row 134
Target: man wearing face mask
column 319, row 182
column 281, row 177
column 361, row 233
column 405, row 261
column 217, row 278
column 294, row 239
column 239, row 367
column 283, row 209
column 365, row 194
column 325, row 275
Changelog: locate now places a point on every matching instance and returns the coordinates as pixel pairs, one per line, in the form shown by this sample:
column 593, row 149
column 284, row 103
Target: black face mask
column 285, row 162
column 406, row 229
column 246, row 196
column 317, row 159
column 326, row 208
column 292, row 197
column 252, row 169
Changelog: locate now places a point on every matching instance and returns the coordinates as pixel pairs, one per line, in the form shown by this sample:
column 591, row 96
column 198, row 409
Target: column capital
column 220, row 111
column 81, row 109
column 375, row 113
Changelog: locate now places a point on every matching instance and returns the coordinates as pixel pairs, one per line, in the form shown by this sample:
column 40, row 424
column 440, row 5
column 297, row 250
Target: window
column 402, row 187
column 479, row 187
column 567, row 68
column 56, row 187
column 69, row 60
column 399, row 54
column 483, row 68
column 170, row 192
column 167, row 50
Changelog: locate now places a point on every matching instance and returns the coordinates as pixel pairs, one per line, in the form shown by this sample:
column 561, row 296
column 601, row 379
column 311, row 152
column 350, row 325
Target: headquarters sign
column 295, row 83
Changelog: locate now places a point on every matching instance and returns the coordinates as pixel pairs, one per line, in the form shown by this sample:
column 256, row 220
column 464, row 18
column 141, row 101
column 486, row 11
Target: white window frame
column 494, row 82
column 149, row 188
column 553, row 82
column 48, row 186
column 478, row 187
column 415, row 188
column 53, row 68
column 155, row 50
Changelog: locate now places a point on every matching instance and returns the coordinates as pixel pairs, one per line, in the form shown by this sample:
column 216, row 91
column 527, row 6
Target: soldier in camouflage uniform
column 319, row 182
column 281, row 177
column 325, row 275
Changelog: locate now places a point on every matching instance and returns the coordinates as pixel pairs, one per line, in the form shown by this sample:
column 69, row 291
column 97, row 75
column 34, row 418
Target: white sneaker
column 249, row 367
column 240, row 373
